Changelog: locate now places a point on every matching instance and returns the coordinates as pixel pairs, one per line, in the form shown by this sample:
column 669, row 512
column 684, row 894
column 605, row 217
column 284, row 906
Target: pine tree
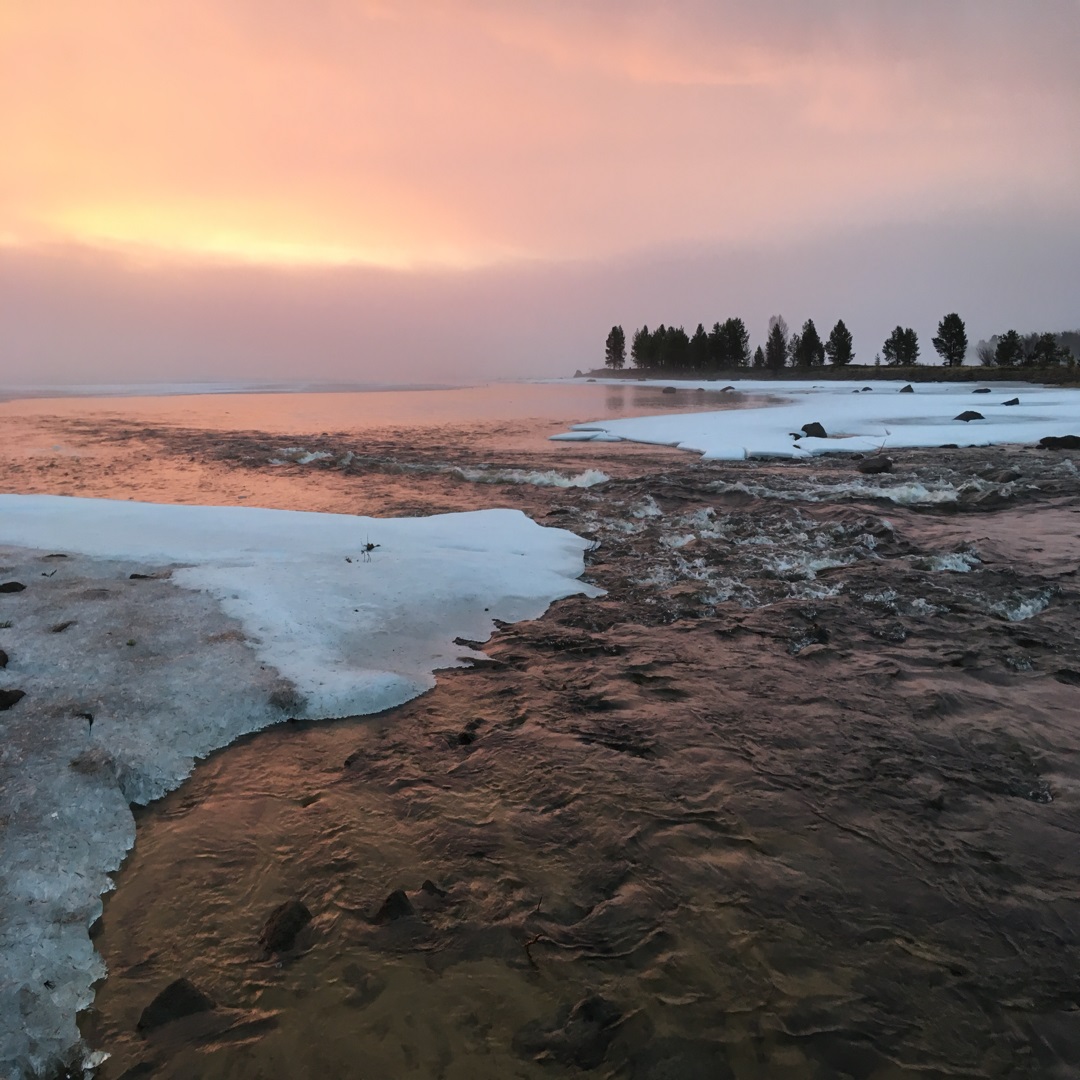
column 793, row 346
column 641, row 351
column 677, row 348
column 839, row 346
column 716, row 347
column 1010, row 350
column 808, row 350
column 698, row 352
column 1045, row 351
column 901, row 348
column 759, row 358
column 776, row 344
column 951, row 342
column 734, row 344
column 660, row 347
column 615, row 351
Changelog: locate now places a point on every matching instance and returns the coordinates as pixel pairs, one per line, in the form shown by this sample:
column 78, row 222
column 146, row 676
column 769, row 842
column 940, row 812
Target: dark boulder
column 396, row 906
column 283, row 925
column 814, row 431
column 867, row 389
column 725, row 389
column 668, row 390
column 879, row 463
column 10, row 697
column 982, row 390
column 12, row 586
column 969, row 414
column 909, row 389
column 432, row 889
column 3, row 659
column 1012, row 401
column 180, row 998
column 1060, row 442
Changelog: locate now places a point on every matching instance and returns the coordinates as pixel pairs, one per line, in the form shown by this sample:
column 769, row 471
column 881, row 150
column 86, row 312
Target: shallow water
column 187, row 449
column 781, row 834
column 518, row 410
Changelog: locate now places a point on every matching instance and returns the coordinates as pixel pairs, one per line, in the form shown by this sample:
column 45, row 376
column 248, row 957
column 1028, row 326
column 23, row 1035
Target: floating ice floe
column 248, row 616
column 855, row 422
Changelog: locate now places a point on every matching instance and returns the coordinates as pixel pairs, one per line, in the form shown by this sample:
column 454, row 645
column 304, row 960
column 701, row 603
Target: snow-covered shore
column 238, row 618
column 855, row 419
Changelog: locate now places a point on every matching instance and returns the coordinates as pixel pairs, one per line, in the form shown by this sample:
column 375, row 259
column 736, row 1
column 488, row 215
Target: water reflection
column 376, row 410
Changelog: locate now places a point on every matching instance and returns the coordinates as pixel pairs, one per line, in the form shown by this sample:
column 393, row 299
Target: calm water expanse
column 184, row 448
column 520, row 403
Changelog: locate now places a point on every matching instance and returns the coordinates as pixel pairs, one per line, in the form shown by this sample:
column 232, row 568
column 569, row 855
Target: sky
column 442, row 191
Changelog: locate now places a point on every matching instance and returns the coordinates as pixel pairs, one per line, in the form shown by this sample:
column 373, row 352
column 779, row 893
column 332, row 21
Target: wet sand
column 790, row 801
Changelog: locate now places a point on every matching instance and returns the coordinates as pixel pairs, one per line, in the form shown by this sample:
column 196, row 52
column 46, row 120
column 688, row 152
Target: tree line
column 727, row 347
column 1012, row 349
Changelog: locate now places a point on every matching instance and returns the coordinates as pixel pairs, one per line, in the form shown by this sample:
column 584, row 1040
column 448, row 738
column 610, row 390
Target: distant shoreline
column 1059, row 376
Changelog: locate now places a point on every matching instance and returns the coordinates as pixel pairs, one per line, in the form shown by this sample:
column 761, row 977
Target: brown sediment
column 790, row 801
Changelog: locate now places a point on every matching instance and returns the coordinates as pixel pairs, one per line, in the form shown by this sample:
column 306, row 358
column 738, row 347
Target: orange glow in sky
column 422, row 133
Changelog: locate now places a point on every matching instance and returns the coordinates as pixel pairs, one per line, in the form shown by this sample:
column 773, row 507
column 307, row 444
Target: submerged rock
column 879, row 463
column 283, row 925
column 396, row 906
column 178, row 999
column 365, row 986
column 982, row 390
column 969, row 414
column 668, row 390
column 814, row 431
column 3, row 659
column 12, row 586
column 579, row 1037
